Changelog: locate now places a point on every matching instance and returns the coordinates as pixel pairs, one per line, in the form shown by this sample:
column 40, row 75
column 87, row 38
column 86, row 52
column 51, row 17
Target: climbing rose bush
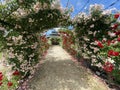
column 68, row 41
column 18, row 48
column 98, row 37
column 23, row 53
column 21, row 22
column 89, row 31
column 44, row 44
column 111, row 51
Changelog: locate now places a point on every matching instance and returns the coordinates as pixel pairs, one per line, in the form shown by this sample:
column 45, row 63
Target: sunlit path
column 59, row 72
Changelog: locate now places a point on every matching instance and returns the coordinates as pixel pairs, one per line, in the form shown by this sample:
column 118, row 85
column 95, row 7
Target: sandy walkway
column 59, row 72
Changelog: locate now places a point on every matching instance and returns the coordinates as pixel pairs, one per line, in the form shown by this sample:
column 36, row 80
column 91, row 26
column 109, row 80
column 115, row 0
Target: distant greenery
column 55, row 40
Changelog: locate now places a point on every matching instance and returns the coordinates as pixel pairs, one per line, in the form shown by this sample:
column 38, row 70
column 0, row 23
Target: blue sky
column 79, row 4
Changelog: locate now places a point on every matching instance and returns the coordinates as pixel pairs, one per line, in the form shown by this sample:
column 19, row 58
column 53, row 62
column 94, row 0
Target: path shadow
column 60, row 75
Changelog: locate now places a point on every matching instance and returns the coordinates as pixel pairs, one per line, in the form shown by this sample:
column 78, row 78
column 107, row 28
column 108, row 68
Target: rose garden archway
column 25, row 19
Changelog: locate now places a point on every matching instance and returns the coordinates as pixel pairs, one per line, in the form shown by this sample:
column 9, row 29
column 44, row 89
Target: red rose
column 108, row 67
column 0, row 72
column 110, row 52
column 113, row 53
column 108, row 42
column 118, row 39
column 1, row 76
column 115, row 26
column 116, row 16
column 113, row 41
column 117, row 33
column 116, row 53
column 99, row 44
column 16, row 73
column 1, row 83
column 10, row 84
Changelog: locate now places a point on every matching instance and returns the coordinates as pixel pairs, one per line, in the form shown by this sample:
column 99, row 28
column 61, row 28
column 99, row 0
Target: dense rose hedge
column 21, row 22
column 98, row 35
column 23, row 54
column 68, row 41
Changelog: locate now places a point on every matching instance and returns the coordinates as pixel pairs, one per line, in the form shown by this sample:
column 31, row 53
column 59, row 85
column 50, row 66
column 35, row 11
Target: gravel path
column 59, row 72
